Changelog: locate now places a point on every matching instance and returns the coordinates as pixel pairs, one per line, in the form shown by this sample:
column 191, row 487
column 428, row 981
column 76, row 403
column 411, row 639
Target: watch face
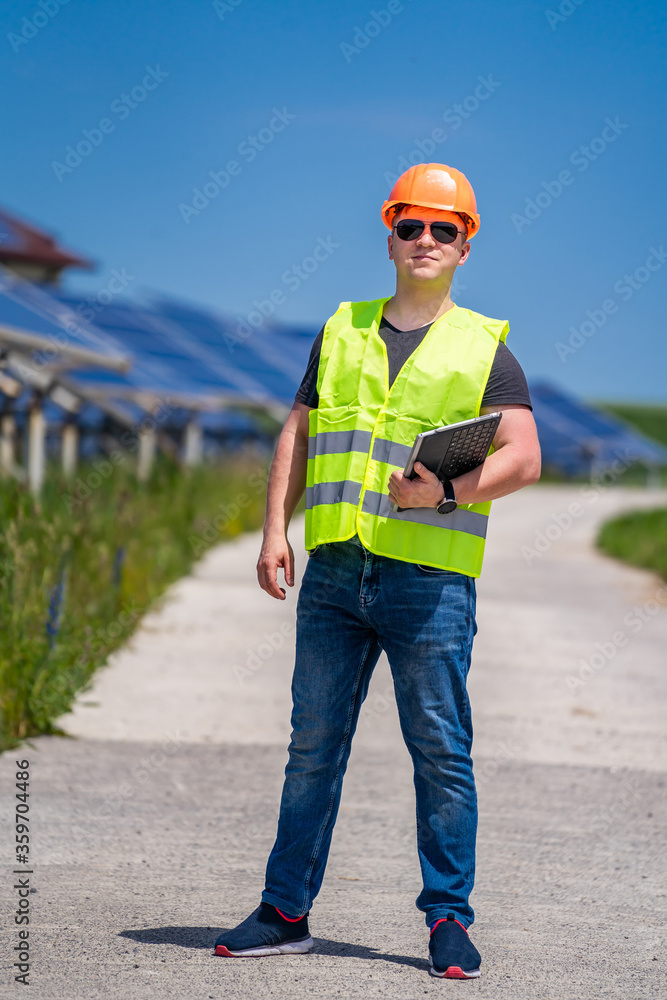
column 447, row 506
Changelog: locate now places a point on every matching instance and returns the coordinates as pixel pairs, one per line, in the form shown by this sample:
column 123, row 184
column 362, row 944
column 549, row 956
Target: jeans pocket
column 311, row 552
column 434, row 570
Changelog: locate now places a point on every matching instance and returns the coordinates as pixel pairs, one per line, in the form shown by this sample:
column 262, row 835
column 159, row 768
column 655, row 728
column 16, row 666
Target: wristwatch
column 448, row 503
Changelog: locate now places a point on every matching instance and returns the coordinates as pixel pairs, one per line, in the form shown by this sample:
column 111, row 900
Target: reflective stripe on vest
column 380, row 504
column 362, row 430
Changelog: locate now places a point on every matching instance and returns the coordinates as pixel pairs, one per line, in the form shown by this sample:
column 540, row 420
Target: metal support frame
column 69, row 447
column 36, row 445
column 7, row 445
column 193, row 443
column 146, row 453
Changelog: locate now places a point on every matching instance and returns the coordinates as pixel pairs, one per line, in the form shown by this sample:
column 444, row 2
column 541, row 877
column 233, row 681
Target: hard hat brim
column 473, row 218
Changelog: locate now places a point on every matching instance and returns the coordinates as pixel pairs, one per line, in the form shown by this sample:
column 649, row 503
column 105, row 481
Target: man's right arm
column 287, row 482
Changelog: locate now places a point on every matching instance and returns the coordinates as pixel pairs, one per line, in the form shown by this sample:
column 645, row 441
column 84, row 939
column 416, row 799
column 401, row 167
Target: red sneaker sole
column 289, row 948
column 455, row 972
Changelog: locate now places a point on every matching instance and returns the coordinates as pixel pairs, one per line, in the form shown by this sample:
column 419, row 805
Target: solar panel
column 272, row 355
column 163, row 345
column 33, row 319
column 27, row 308
column 576, row 437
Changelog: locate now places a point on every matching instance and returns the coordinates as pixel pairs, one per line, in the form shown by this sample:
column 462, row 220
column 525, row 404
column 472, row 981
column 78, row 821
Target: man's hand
column 424, row 491
column 276, row 551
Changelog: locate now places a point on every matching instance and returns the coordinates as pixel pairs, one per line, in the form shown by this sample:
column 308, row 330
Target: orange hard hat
column 433, row 185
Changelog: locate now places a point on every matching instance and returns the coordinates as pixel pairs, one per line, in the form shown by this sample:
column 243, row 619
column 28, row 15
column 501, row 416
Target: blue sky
column 304, row 111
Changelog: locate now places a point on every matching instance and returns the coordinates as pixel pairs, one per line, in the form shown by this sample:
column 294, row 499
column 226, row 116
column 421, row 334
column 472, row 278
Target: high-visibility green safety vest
column 362, row 430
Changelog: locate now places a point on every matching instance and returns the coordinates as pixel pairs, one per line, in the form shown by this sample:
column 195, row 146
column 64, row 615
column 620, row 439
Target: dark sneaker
column 452, row 953
column 266, row 932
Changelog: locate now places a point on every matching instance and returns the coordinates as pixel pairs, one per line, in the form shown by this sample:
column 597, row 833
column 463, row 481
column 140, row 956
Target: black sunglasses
column 443, row 232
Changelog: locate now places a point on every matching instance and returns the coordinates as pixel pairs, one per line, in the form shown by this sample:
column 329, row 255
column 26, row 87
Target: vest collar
column 375, row 332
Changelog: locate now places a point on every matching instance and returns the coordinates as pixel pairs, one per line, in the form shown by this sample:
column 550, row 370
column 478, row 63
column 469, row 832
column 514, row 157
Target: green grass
column 639, row 538
column 649, row 420
column 110, row 546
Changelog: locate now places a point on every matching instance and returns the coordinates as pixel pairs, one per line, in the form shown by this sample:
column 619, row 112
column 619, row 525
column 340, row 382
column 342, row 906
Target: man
column 403, row 581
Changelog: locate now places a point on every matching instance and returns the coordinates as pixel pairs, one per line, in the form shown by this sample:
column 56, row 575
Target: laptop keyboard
column 468, row 448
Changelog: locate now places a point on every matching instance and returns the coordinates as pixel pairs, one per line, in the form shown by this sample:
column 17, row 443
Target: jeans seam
column 472, row 623
column 334, row 783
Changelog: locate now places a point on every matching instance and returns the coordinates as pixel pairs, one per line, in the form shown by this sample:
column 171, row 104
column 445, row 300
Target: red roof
column 21, row 241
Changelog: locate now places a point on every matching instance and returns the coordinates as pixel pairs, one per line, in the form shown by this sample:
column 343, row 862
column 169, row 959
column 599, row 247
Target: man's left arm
column 514, row 463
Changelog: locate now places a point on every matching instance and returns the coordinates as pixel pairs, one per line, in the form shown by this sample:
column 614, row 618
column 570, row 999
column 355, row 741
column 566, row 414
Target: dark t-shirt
column 506, row 384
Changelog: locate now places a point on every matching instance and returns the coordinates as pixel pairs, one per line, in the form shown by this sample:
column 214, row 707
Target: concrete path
column 151, row 828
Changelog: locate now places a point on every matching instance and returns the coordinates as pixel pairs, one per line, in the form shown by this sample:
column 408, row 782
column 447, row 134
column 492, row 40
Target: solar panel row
column 578, row 438
column 177, row 347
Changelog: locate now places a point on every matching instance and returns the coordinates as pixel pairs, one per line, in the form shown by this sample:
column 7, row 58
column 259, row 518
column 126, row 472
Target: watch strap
column 449, row 489
column 449, row 499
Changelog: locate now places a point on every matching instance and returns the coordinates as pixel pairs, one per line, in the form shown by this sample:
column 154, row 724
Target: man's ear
column 465, row 250
column 390, row 246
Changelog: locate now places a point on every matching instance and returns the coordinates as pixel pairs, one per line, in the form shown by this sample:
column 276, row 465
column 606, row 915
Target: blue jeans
column 353, row 604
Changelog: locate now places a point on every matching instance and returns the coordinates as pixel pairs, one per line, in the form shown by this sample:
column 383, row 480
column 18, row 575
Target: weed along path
column 151, row 826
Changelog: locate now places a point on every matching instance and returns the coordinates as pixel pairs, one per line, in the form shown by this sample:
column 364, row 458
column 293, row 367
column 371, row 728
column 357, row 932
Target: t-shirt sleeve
column 307, row 392
column 507, row 382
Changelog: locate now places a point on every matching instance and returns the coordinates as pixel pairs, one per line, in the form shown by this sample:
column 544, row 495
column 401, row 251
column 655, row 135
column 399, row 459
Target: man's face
column 424, row 259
